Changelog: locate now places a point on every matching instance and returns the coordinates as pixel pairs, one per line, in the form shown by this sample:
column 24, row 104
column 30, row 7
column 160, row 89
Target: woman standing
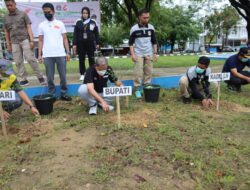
column 86, row 40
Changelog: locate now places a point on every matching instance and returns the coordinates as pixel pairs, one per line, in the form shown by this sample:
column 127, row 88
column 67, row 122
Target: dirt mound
column 234, row 107
column 140, row 118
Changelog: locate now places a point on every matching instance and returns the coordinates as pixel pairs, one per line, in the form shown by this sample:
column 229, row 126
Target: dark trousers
column 9, row 106
column 237, row 82
column 50, row 63
column 82, row 50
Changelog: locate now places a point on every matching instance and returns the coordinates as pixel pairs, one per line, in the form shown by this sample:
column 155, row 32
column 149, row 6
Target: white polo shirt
column 52, row 38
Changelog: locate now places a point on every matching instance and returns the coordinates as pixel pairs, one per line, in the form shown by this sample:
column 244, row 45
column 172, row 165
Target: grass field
column 126, row 63
column 166, row 145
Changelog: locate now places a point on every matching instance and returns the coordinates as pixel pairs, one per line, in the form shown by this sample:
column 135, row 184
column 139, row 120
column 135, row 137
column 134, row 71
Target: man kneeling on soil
column 195, row 83
column 8, row 81
column 95, row 80
column 235, row 65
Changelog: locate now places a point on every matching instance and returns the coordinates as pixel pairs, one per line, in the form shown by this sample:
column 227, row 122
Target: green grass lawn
column 169, row 144
column 126, row 63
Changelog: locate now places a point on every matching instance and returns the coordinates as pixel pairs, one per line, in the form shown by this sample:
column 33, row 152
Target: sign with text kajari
column 117, row 91
column 7, row 95
column 217, row 77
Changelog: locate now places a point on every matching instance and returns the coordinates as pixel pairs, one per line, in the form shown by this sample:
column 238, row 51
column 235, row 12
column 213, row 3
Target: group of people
column 53, row 50
column 195, row 84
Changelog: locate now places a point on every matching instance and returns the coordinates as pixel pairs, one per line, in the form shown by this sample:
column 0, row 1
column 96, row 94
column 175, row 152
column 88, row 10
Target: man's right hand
column 40, row 59
column 9, row 47
column 105, row 106
column 248, row 80
column 6, row 115
column 74, row 49
column 134, row 58
column 205, row 103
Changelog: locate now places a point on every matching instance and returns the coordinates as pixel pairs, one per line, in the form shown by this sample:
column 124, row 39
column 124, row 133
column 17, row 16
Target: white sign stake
column 118, row 108
column 218, row 77
column 5, row 96
column 3, row 122
column 117, row 92
column 218, row 97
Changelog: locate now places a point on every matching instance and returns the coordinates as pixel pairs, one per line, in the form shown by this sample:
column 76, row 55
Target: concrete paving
column 73, row 78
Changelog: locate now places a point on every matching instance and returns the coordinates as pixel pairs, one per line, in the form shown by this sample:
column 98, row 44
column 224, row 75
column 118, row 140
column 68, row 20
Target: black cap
column 244, row 51
column 204, row 60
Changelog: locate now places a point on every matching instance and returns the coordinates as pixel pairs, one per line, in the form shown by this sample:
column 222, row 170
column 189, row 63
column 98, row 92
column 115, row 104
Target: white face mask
column 102, row 73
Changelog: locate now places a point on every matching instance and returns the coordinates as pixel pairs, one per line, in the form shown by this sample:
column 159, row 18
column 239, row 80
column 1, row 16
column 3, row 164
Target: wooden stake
column 127, row 101
column 118, row 111
column 3, row 121
column 218, row 97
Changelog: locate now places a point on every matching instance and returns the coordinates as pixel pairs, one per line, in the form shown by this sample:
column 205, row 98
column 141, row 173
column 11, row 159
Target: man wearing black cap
column 8, row 81
column 235, row 65
column 195, row 83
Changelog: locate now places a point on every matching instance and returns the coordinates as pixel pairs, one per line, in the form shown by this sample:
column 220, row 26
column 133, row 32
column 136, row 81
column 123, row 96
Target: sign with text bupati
column 117, row 91
column 216, row 77
column 67, row 12
column 7, row 95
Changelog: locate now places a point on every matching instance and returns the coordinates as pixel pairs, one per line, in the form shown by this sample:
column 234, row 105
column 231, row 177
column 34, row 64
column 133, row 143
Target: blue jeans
column 238, row 81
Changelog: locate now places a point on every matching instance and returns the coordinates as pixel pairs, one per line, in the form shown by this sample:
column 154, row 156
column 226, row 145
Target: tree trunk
column 148, row 4
column 248, row 29
column 172, row 42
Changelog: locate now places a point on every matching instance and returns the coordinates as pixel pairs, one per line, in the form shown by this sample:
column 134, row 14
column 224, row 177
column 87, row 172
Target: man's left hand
column 210, row 102
column 67, row 57
column 32, row 45
column 155, row 57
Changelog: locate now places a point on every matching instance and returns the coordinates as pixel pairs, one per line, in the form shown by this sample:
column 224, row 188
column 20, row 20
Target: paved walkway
column 73, row 78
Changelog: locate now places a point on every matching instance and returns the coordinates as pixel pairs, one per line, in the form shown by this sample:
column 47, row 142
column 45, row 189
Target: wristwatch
column 32, row 107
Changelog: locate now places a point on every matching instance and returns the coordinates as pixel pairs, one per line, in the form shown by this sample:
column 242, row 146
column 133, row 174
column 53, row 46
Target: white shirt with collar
column 52, row 38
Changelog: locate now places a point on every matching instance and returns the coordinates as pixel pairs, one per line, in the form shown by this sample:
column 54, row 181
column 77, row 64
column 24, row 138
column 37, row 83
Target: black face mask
column 48, row 16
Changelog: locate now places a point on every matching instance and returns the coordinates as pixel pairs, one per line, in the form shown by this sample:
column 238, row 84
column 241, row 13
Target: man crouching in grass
column 8, row 81
column 95, row 80
column 195, row 84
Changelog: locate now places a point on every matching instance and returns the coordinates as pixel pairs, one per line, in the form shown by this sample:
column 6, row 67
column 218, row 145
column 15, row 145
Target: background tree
column 243, row 8
column 179, row 25
column 112, row 9
column 213, row 26
column 112, row 34
column 230, row 19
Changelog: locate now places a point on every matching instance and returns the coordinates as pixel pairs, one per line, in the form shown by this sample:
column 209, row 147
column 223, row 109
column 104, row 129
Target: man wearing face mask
column 195, row 83
column 235, row 65
column 95, row 80
column 52, row 45
column 85, row 40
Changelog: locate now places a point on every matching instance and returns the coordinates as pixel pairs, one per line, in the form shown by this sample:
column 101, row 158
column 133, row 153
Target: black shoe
column 42, row 81
column 234, row 88
column 66, row 98
column 186, row 100
column 24, row 83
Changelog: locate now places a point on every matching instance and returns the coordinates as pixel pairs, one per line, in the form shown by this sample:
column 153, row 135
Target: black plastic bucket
column 151, row 92
column 44, row 103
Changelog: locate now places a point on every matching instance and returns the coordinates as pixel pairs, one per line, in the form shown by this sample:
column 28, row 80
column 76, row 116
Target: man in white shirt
column 52, row 45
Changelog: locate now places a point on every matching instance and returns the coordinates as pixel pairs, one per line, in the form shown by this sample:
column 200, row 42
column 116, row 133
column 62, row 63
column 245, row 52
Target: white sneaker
column 93, row 110
column 111, row 108
column 81, row 78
